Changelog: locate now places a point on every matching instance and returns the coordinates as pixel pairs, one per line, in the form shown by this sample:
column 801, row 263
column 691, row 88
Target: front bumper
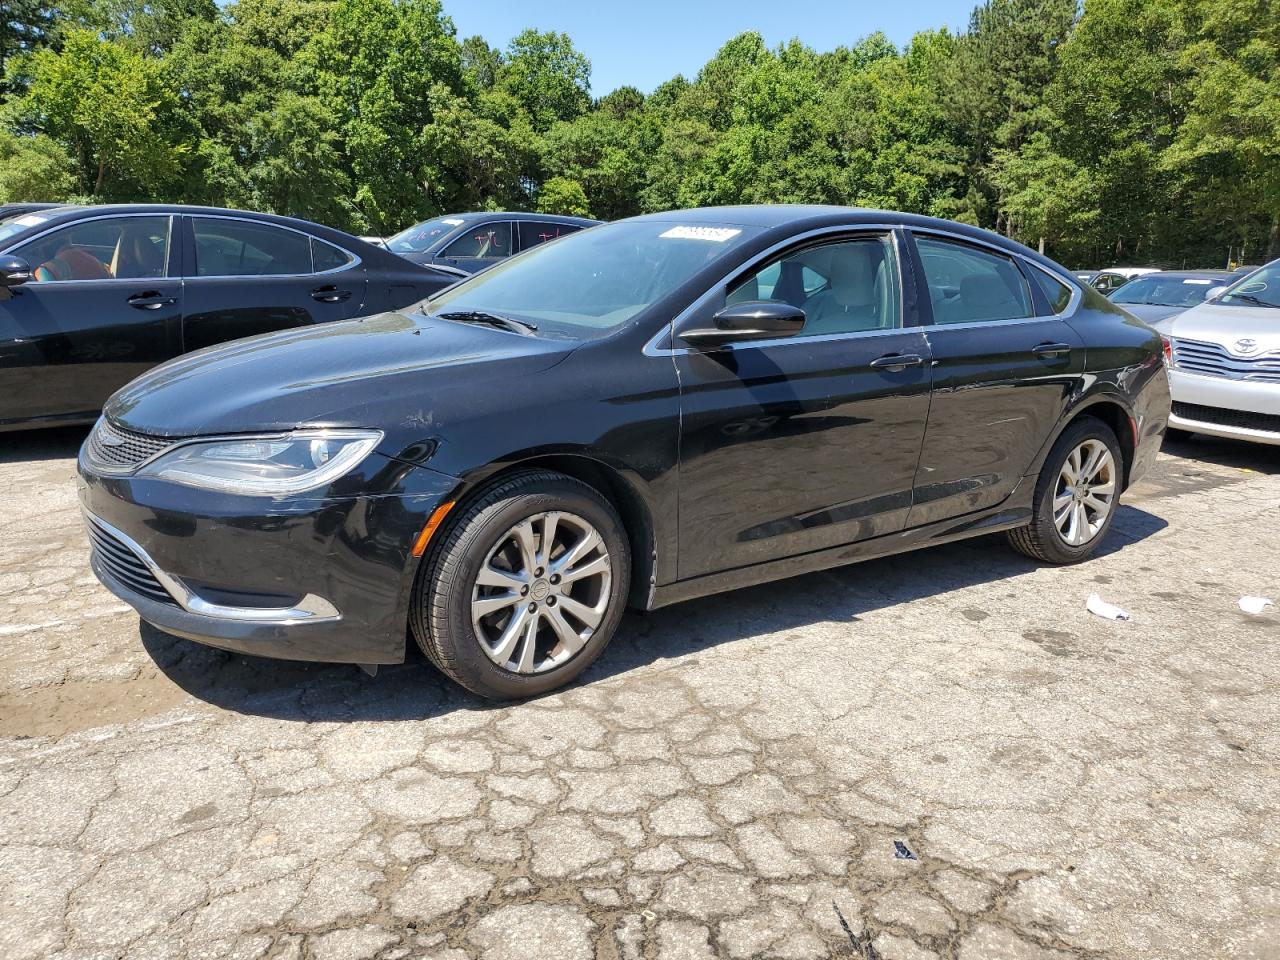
column 1223, row 407
column 324, row 579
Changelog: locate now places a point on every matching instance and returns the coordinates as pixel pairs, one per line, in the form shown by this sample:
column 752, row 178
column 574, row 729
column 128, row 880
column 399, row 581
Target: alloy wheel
column 541, row 592
column 1085, row 493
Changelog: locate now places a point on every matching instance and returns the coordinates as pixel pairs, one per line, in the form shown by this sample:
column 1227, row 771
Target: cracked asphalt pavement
column 935, row 755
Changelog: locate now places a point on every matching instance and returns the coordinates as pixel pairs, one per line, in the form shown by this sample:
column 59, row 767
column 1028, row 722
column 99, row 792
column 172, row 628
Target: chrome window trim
column 168, row 253
column 356, row 259
column 310, row 609
column 653, row 349
column 1077, row 294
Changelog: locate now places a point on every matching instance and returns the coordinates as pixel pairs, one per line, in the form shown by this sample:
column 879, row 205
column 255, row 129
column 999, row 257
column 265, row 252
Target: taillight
column 1168, row 351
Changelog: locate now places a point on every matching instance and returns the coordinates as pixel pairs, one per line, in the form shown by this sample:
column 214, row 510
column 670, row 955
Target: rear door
column 532, row 233
column 479, row 245
column 246, row 277
column 103, row 306
column 1005, row 367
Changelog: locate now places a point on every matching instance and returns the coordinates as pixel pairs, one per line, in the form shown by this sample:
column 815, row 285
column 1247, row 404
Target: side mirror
column 14, row 271
column 1215, row 292
column 751, row 320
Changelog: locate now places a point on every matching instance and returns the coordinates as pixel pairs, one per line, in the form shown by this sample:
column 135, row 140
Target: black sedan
column 468, row 242
column 90, row 297
column 649, row 411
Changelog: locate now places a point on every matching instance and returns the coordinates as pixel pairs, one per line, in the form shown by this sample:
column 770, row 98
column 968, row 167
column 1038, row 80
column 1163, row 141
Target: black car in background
column 90, row 297
column 472, row 241
column 1159, row 296
column 649, row 411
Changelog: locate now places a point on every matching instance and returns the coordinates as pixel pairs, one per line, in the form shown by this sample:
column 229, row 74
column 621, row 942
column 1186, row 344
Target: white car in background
column 1224, row 361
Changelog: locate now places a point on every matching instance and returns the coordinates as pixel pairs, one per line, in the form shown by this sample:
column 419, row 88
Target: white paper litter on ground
column 1254, row 604
column 1096, row 605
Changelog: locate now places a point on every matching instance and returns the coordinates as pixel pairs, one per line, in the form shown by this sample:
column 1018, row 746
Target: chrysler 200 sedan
column 649, row 411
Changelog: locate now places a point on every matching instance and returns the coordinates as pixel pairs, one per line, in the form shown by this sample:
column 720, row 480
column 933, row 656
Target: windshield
column 1166, row 291
column 592, row 282
column 422, row 235
column 19, row 222
column 1259, row 289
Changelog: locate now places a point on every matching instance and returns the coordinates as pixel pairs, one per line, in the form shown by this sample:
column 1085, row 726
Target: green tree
column 564, row 196
column 547, row 77
column 113, row 110
column 34, row 168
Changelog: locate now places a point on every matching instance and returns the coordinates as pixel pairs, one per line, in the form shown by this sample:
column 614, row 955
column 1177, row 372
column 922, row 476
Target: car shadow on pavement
column 1223, row 451
column 415, row 690
column 54, row 443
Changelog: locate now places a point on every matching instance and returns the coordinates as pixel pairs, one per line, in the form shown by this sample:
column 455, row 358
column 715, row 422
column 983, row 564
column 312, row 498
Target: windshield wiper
column 1250, row 298
column 490, row 319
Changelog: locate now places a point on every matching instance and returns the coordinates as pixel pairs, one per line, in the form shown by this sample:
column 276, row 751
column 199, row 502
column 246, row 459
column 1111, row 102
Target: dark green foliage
column 1140, row 130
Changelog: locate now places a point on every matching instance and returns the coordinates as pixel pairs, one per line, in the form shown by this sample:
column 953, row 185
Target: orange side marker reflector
column 434, row 521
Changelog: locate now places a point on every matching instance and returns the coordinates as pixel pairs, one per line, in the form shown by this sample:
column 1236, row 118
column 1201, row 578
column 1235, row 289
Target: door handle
column 894, row 362
column 150, row 300
column 330, row 294
column 1051, row 350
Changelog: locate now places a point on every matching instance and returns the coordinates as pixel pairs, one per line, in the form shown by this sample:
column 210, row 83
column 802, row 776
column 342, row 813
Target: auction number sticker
column 714, row 234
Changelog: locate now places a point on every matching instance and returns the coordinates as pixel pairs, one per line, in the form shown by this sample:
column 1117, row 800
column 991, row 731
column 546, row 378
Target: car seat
column 72, row 263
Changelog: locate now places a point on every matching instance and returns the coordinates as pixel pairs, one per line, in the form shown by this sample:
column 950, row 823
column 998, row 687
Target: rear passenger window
column 1055, row 291
column 325, row 256
column 968, row 284
column 534, row 232
column 238, row 248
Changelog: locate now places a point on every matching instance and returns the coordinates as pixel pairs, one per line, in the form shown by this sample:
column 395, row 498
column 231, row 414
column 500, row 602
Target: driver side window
column 844, row 287
column 114, row 248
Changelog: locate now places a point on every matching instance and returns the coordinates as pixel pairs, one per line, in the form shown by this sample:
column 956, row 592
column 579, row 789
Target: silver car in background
column 1224, row 361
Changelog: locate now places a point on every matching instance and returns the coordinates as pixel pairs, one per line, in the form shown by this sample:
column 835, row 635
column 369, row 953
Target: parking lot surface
column 940, row 754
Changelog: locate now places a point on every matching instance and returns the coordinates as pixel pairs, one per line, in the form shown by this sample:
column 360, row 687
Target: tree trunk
column 102, row 176
column 1042, row 245
column 1273, row 244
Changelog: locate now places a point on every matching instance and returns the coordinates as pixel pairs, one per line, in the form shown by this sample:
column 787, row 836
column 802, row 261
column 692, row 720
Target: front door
column 102, row 307
column 811, row 441
column 1004, row 370
column 246, row 277
column 479, row 245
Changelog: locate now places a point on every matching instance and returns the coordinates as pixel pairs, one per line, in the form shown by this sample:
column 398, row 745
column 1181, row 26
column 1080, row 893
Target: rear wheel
column 526, row 587
column 1076, row 495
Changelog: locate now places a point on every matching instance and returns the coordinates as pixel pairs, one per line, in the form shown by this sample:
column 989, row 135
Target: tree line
column 1124, row 130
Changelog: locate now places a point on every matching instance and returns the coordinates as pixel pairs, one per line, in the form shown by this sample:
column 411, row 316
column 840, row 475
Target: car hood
column 1151, row 313
column 402, row 373
column 1220, row 323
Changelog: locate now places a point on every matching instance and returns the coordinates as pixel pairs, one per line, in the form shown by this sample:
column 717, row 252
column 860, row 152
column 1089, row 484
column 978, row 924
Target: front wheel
column 1076, row 495
column 526, row 587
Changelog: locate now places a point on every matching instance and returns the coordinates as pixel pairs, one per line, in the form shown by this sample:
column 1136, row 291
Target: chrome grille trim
column 117, row 450
column 1215, row 360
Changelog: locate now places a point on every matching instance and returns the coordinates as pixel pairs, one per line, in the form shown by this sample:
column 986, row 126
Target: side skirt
column 1006, row 517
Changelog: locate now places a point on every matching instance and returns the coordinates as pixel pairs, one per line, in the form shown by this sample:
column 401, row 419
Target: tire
column 468, row 647
column 1042, row 538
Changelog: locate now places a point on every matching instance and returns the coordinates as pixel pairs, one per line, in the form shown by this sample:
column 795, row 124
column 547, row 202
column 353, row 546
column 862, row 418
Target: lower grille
column 124, row 565
column 1243, row 419
column 113, row 446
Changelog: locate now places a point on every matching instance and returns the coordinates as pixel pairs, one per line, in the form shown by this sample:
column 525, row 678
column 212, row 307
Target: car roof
column 786, row 217
column 514, row 215
column 1189, row 274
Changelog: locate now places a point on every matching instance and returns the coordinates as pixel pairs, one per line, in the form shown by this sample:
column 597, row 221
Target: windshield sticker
column 714, row 234
column 1203, row 283
column 30, row 220
column 452, row 222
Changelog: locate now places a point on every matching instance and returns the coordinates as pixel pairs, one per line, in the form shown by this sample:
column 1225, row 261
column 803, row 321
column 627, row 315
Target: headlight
column 273, row 466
